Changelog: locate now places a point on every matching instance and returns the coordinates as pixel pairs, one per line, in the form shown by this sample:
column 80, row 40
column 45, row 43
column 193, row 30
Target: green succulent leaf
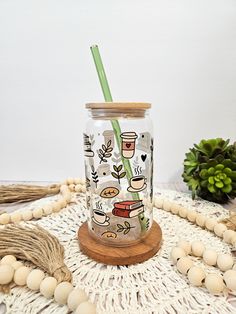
column 219, row 184
column 227, row 188
column 203, row 174
column 210, row 170
column 211, row 188
column 211, row 180
column 219, row 167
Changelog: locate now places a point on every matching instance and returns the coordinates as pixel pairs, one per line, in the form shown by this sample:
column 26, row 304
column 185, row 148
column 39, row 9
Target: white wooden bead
column 233, row 239
column 62, row 292
column 15, row 217
column 48, row 286
column 86, row 308
column 210, row 223
column 176, row 253
column 34, row 279
column 56, row 206
column 175, row 208
column 214, row 283
column 6, row 274
column 38, row 213
column 47, row 209
column 67, row 197
column 225, row 262
column 83, row 188
column 167, row 205
column 197, row 248
column 185, row 245
column 8, row 260
column 70, row 180
column 219, row 229
column 184, row 264
column 17, row 265
column 210, row 257
column 191, row 215
column 72, row 187
column 27, row 215
column 4, row 219
column 64, row 188
column 159, row 202
column 77, row 181
column 183, row 212
column 196, row 276
column 78, row 188
column 83, row 181
column 230, row 279
column 200, row 220
column 227, row 235
column 76, row 297
column 62, row 202
column 21, row 275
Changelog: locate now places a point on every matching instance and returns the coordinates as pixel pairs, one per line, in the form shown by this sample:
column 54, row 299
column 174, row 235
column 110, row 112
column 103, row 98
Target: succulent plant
column 210, row 170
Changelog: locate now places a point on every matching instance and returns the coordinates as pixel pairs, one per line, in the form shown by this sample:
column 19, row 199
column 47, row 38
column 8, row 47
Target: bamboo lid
column 118, row 105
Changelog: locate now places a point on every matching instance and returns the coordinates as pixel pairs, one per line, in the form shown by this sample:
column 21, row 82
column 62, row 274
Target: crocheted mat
column 154, row 286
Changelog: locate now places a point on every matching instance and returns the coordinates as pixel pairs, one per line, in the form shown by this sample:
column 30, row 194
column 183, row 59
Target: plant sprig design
column 118, row 174
column 126, row 228
column 117, row 158
column 105, row 152
column 94, row 176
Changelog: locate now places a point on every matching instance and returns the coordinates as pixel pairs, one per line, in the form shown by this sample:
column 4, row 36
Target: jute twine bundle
column 36, row 245
column 25, row 193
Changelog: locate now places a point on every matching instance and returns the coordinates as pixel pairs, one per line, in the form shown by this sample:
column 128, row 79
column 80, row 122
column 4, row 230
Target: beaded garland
column 210, row 224
column 69, row 186
column 214, row 283
column 76, row 299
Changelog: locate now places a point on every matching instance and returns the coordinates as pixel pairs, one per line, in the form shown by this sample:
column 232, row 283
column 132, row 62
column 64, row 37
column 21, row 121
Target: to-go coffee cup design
column 128, row 144
column 100, row 218
column 137, row 183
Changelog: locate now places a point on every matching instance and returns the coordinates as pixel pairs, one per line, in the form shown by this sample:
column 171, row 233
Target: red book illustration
column 127, row 213
column 128, row 205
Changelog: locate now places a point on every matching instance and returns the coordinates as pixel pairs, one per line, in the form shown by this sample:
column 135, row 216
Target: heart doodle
column 143, row 157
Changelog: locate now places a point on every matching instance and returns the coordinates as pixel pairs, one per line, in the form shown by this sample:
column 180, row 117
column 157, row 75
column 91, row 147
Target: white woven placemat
column 150, row 287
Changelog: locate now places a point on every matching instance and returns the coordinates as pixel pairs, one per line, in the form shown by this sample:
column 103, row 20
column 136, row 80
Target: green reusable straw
column 108, row 98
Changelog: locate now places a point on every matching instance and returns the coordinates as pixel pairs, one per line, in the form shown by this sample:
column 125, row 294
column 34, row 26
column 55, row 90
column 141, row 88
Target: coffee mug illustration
column 128, row 144
column 100, row 218
column 137, row 184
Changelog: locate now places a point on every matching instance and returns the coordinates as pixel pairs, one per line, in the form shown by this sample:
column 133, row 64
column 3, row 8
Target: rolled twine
column 36, row 245
column 25, row 193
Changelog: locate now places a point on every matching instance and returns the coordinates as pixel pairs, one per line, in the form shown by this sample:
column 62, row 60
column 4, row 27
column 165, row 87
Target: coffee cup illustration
column 100, row 218
column 137, row 184
column 128, row 144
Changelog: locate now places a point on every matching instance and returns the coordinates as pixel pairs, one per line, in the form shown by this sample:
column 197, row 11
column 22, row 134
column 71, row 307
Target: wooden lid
column 118, row 105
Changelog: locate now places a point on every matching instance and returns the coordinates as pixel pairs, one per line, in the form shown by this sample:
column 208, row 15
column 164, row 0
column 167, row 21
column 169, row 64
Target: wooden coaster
column 137, row 253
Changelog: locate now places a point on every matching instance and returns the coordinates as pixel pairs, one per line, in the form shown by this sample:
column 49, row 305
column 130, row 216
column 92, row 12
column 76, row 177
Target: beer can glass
column 118, row 150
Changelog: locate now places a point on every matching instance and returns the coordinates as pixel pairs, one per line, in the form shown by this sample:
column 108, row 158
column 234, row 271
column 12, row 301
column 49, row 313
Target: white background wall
column 180, row 55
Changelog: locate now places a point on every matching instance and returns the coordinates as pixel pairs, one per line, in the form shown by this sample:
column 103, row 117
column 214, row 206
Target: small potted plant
column 210, row 170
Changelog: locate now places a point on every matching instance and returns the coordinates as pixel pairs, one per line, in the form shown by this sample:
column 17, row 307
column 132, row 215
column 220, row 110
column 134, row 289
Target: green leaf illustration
column 122, row 175
column 115, row 175
column 119, row 168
